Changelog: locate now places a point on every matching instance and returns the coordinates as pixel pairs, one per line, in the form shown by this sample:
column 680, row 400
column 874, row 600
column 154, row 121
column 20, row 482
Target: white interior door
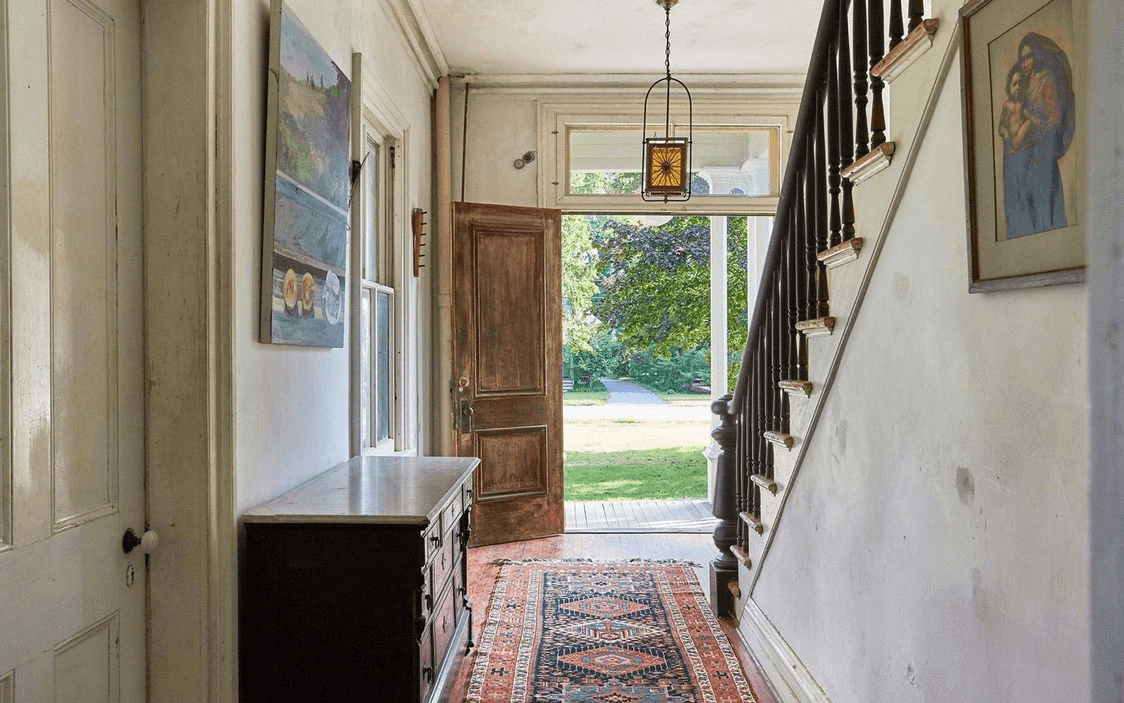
column 72, row 627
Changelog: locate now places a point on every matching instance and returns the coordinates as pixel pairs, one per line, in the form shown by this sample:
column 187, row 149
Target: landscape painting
column 304, row 251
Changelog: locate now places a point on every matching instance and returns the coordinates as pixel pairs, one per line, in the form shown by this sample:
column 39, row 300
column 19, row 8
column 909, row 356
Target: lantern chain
column 667, row 37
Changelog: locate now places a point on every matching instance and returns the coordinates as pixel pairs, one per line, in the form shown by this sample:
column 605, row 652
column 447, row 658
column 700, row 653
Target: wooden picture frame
column 1023, row 89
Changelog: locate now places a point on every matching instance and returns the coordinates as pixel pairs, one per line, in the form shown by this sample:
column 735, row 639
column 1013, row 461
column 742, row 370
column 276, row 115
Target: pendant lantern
column 667, row 159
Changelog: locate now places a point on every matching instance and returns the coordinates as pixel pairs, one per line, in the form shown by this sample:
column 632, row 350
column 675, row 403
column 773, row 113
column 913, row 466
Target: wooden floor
column 697, row 548
column 685, row 515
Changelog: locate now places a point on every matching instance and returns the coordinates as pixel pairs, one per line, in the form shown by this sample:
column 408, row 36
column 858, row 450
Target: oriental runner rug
column 603, row 632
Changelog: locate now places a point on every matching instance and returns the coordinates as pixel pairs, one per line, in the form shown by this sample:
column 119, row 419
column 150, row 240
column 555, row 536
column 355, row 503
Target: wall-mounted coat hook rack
column 418, row 223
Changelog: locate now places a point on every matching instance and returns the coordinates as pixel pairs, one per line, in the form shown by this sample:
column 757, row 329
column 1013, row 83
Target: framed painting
column 305, row 218
column 1022, row 63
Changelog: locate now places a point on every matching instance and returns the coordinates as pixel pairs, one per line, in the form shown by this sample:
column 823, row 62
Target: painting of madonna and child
column 1035, row 121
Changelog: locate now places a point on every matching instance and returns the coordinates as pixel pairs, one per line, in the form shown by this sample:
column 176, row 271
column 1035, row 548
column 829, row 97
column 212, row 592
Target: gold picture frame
column 1024, row 83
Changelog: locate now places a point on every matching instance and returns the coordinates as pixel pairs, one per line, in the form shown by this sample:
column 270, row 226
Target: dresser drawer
column 458, row 589
column 443, row 624
column 451, row 515
column 443, row 562
column 427, row 670
column 432, row 538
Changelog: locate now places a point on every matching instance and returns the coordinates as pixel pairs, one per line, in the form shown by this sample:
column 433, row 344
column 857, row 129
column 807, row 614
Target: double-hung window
column 374, row 342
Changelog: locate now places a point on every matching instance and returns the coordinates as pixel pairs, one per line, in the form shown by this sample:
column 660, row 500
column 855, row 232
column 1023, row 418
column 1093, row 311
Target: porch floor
column 684, row 515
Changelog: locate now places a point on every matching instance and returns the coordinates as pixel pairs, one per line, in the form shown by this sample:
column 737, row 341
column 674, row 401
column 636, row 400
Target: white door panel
column 73, row 628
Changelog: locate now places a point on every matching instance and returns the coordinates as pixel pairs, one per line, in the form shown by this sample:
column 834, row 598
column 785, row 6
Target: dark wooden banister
column 815, row 213
column 805, row 120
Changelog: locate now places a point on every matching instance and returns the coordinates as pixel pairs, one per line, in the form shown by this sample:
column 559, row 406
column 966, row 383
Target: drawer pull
column 427, row 674
column 444, row 623
column 442, row 560
column 428, row 601
column 436, row 539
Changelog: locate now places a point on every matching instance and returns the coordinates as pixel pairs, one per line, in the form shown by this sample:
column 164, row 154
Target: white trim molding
column 792, row 681
column 418, row 34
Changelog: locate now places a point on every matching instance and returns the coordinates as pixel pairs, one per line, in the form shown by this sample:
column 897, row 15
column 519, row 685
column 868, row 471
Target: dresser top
column 371, row 489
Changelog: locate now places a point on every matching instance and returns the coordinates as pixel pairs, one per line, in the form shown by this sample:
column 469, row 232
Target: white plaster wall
column 501, row 127
column 1106, row 351
column 935, row 546
column 292, row 402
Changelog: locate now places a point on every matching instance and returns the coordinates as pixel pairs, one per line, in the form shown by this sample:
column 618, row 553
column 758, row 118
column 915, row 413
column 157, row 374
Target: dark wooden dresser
column 354, row 584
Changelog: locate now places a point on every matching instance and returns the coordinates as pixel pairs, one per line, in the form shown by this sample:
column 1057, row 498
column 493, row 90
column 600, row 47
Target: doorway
column 653, row 330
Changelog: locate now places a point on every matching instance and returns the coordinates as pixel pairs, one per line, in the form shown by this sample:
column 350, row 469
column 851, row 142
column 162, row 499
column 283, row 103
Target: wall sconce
column 525, row 159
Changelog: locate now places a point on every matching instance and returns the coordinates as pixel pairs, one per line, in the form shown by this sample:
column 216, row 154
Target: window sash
column 375, row 405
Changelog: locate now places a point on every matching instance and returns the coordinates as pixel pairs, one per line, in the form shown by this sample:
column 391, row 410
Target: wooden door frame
column 189, row 297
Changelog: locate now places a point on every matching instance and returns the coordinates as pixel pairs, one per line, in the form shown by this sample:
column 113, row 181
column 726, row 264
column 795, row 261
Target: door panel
column 83, row 263
column 510, row 322
column 508, row 365
column 73, row 629
column 517, row 462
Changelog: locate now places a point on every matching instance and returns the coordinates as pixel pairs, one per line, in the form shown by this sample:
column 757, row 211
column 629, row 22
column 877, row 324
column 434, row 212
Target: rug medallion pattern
column 603, row 632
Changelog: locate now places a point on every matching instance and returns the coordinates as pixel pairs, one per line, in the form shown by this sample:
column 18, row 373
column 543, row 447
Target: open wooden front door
column 507, row 366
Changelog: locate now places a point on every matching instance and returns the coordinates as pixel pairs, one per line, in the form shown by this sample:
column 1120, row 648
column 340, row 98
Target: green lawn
column 585, row 396
column 635, row 475
column 684, row 398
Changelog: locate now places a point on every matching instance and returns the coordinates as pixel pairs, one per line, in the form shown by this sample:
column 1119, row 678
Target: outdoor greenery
column 585, row 396
column 635, row 475
column 637, row 298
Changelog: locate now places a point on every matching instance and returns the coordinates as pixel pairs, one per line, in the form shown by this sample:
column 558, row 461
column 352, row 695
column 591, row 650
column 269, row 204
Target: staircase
column 816, row 269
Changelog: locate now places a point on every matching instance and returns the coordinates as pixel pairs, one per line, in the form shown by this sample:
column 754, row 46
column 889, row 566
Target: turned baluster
column 763, row 467
column 821, row 215
column 896, row 30
column 800, row 269
column 877, row 44
column 810, row 262
column 846, row 145
column 916, row 13
column 833, row 151
column 782, row 332
column 859, row 65
column 752, row 421
column 792, row 305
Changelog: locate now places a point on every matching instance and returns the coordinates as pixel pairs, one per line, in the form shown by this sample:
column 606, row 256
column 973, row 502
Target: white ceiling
column 519, row 37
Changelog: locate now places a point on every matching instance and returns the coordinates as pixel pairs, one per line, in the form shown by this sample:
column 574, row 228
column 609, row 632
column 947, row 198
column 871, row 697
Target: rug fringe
column 607, row 562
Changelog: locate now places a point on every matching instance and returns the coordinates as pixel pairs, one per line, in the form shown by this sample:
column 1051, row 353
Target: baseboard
column 790, row 679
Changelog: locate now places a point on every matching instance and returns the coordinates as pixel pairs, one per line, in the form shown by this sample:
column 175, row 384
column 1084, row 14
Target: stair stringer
column 848, row 285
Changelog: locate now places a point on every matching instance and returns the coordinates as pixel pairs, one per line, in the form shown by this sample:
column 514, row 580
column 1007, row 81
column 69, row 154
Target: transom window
column 727, row 161
column 592, row 155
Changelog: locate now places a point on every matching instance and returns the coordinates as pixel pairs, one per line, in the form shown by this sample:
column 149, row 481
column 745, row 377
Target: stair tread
column 753, row 521
column 782, row 438
column 765, row 482
column 796, row 387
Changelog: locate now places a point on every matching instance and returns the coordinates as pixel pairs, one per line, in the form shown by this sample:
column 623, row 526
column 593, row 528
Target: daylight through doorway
column 645, row 350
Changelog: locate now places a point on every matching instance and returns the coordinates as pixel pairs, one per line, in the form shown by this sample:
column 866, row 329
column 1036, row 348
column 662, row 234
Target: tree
column 657, row 283
column 579, row 271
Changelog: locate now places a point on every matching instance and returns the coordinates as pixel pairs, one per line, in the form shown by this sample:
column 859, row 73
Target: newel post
column 724, row 567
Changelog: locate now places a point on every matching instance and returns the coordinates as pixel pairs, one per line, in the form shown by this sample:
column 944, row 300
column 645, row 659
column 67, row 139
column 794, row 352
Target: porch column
column 718, row 337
